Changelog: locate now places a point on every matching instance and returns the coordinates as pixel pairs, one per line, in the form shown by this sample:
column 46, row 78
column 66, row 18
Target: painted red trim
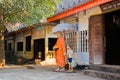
column 77, row 9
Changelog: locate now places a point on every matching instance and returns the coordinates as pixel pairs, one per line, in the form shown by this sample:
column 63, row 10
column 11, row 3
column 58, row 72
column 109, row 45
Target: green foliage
column 25, row 11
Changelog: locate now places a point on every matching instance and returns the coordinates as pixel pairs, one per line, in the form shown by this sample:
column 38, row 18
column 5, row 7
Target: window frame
column 28, row 43
column 19, row 46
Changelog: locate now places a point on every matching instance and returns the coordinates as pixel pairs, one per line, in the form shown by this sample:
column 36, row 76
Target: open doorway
column 51, row 43
column 39, row 49
column 112, row 40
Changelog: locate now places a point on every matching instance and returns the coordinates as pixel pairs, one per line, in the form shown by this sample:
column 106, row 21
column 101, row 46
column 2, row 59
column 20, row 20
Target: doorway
column 39, row 49
column 112, row 40
column 51, row 43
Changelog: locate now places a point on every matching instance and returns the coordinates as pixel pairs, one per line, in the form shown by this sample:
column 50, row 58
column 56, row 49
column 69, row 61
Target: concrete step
column 102, row 74
column 106, row 68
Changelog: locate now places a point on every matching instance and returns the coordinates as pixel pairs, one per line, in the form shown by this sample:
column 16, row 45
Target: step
column 102, row 74
column 106, row 68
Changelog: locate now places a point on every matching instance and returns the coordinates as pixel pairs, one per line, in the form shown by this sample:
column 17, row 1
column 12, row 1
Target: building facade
column 32, row 42
column 95, row 19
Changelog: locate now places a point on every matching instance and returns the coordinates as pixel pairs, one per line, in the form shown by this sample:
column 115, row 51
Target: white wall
column 83, row 24
column 84, row 16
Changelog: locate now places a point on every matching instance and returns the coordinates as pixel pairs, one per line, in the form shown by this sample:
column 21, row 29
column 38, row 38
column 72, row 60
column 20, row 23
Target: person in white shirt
column 70, row 57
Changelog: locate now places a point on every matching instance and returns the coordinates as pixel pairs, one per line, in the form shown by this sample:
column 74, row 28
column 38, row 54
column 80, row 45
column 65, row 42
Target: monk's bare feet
column 58, row 69
column 62, row 69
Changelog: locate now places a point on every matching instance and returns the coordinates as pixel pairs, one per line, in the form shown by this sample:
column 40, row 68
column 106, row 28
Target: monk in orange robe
column 60, row 52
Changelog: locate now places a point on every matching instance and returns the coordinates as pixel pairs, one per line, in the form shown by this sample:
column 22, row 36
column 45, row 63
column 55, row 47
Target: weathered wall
column 28, row 54
column 49, row 34
column 19, row 37
column 37, row 34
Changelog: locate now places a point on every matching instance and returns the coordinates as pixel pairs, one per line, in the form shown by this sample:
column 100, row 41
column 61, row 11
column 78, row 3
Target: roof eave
column 76, row 9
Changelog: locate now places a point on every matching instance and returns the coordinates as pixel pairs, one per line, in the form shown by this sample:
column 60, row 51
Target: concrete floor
column 38, row 72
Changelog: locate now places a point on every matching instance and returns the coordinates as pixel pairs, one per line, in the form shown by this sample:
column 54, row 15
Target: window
column 20, row 46
column 9, row 46
column 28, row 43
column 83, row 41
column 51, row 43
column 71, row 39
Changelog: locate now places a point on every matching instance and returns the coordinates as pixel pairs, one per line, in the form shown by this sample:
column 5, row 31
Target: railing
column 77, row 40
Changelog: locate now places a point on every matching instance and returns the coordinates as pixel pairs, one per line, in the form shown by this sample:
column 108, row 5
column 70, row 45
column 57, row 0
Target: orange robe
column 59, row 54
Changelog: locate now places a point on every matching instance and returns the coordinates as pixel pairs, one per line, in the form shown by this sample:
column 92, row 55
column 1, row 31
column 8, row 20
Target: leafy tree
column 25, row 11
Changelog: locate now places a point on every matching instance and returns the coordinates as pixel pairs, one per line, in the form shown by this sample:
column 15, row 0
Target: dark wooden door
column 96, row 33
